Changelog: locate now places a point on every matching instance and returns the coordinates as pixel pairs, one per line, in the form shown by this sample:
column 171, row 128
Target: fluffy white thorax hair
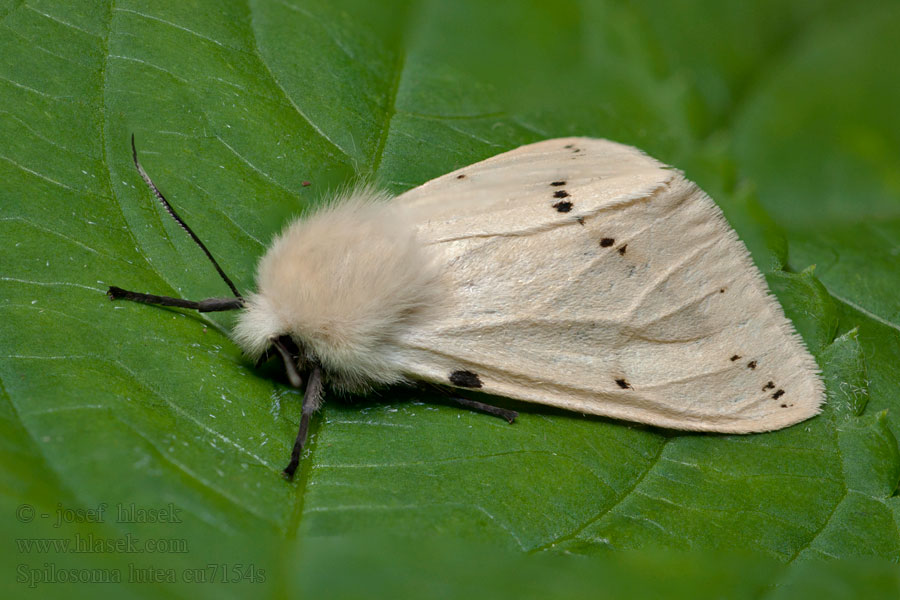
column 343, row 282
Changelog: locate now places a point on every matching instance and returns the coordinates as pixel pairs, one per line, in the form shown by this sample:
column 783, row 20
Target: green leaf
column 786, row 114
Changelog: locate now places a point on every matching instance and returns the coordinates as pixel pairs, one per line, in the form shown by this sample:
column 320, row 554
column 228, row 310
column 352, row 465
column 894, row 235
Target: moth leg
column 490, row 409
column 312, row 398
column 290, row 366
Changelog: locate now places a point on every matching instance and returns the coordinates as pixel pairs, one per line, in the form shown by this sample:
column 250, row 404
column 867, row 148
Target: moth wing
column 636, row 300
column 533, row 187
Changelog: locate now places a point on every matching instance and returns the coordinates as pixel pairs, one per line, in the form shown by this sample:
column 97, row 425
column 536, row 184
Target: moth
column 577, row 273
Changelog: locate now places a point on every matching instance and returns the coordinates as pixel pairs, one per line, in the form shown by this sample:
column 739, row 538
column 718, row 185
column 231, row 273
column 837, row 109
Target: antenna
column 208, row 305
column 178, row 219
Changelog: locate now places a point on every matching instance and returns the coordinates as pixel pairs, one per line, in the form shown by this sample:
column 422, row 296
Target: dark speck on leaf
column 563, row 206
column 465, row 379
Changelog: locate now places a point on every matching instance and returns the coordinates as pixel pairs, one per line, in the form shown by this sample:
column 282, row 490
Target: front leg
column 312, row 398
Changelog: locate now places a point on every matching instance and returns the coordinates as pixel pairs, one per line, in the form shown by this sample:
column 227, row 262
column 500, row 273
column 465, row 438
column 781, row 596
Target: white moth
column 577, row 273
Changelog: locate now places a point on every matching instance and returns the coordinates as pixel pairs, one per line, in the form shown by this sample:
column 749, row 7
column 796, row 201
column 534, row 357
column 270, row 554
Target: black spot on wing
column 623, row 384
column 580, row 220
column 569, row 146
column 557, row 183
column 607, row 242
column 563, row 206
column 461, row 176
column 466, row 379
column 735, row 357
column 769, row 386
column 560, row 194
column 751, row 365
column 622, row 249
column 778, row 394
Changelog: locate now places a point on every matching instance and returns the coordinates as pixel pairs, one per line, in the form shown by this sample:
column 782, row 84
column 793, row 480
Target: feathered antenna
column 208, row 305
column 178, row 219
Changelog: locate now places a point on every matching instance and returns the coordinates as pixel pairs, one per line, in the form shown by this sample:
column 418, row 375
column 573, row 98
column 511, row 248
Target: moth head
column 258, row 324
column 261, row 333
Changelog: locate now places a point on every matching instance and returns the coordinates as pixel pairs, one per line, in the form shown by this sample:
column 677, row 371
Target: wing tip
column 807, row 365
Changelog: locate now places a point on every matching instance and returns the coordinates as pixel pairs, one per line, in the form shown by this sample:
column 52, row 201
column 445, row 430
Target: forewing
column 533, row 188
column 635, row 300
